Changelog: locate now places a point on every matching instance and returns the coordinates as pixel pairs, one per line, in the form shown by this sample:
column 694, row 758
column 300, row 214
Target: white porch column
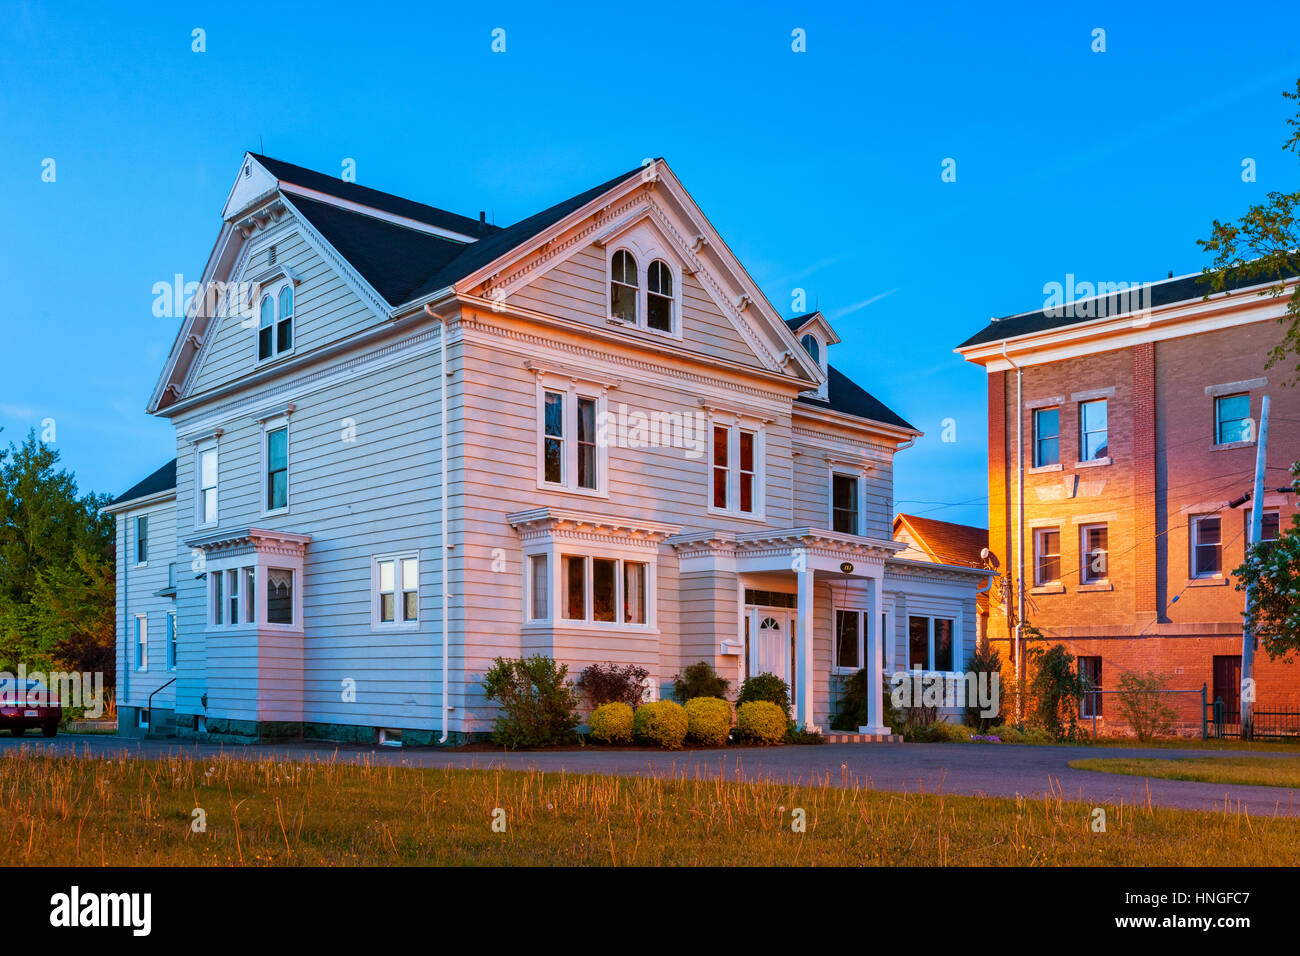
column 804, row 618
column 875, row 640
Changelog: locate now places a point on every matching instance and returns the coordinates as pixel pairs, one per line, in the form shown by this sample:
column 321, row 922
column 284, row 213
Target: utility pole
column 1256, row 529
column 1020, row 534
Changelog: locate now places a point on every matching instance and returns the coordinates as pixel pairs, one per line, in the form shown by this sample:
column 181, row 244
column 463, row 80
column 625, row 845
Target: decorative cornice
column 907, row 568
column 259, row 540
column 554, row 523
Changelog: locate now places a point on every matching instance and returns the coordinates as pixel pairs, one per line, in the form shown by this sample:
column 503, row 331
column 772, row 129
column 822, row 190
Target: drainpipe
column 1020, row 537
column 442, row 504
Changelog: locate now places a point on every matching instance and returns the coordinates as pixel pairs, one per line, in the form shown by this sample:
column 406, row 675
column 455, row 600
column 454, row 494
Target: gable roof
column 946, row 541
column 1186, row 288
column 849, row 398
column 164, row 479
column 365, row 196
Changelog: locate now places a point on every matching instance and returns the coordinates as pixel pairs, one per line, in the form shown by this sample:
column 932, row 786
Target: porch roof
column 813, row 541
column 251, row 539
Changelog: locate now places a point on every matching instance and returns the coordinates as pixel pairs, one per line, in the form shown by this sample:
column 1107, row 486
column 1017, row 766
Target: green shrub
column 766, row 687
column 663, row 723
column 943, row 732
column 538, row 703
column 699, row 680
column 794, row 734
column 986, row 661
column 761, row 721
column 1010, row 734
column 708, row 720
column 853, row 709
column 1141, row 700
column 612, row 723
column 1056, row 690
column 603, row 683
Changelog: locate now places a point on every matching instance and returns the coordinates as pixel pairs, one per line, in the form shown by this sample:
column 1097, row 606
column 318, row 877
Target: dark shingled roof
column 333, row 186
column 849, row 398
column 799, row 320
column 1164, row 292
column 403, row 264
column 164, row 479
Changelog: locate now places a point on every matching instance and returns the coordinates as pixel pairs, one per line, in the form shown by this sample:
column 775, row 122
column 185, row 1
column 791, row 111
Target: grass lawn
column 1291, row 746
column 87, row 812
column 1255, row 771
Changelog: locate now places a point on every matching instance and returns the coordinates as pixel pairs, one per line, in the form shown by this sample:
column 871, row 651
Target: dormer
column 816, row 336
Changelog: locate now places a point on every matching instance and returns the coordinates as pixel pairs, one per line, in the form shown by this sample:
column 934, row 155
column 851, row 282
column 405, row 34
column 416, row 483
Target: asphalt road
column 975, row 769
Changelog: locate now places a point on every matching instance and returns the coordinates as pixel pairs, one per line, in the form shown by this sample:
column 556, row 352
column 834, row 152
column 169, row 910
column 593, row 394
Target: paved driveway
column 977, row 769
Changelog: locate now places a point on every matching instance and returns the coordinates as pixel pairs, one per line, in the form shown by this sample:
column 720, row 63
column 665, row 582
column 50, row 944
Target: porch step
column 835, row 737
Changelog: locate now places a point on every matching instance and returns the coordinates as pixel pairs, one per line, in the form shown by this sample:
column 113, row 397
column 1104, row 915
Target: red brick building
column 1139, row 416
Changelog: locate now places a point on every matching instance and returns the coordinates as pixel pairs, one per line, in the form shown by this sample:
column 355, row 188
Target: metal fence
column 1271, row 724
column 1189, row 707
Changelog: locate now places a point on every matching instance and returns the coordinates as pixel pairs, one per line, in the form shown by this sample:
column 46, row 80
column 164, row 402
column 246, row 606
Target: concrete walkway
column 975, row 769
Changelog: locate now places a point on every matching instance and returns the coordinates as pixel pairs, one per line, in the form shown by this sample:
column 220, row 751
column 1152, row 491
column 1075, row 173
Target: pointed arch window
column 623, row 287
column 659, row 297
column 284, row 326
column 810, row 346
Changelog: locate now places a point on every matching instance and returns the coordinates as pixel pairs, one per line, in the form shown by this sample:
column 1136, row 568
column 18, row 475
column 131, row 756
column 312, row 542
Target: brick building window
column 1269, row 531
column 1093, row 443
column 1232, row 419
column 1207, row 546
column 1047, row 555
column 1095, row 553
column 1047, row 437
column 1090, row 671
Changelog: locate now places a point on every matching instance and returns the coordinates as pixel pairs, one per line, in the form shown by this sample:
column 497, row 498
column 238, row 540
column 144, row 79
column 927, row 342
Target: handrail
column 150, row 706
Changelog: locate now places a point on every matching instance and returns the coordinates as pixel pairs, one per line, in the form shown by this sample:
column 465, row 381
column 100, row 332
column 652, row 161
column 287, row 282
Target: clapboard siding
column 135, row 595
column 812, row 489
column 325, row 309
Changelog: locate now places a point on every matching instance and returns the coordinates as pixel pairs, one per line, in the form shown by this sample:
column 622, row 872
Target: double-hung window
column 1047, row 556
column 1047, row 437
column 1232, row 422
column 844, row 504
column 736, row 470
column 1095, row 553
column 598, row 590
column 1271, row 528
column 570, row 455
column 539, row 587
column 171, row 640
column 1094, row 443
column 848, row 640
column 275, row 464
column 141, row 642
column 1207, row 546
column 397, row 590
column 142, row 539
column 232, row 596
column 930, row 643
column 205, row 468
column 275, row 323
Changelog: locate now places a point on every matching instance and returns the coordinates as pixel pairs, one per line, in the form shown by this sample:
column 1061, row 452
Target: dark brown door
column 1227, row 685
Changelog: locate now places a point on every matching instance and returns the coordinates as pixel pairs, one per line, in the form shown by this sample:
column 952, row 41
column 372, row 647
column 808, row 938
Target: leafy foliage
column 1272, row 569
column 664, row 723
column 538, row 702
column 611, row 723
column 699, row 680
column 708, row 720
column 985, row 660
column 603, row 683
column 766, row 687
column 1142, row 702
column 761, row 722
column 854, row 710
column 1056, row 690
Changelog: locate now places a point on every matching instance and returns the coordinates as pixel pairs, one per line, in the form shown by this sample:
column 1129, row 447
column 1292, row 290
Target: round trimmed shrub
column 663, row 723
column 612, row 723
column 762, row 722
column 767, row 687
column 708, row 720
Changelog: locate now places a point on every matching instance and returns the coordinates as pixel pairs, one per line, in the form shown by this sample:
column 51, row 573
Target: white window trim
column 1037, row 535
column 529, row 617
column 1193, row 542
column 555, row 551
column 141, row 641
column 273, row 290
column 1084, row 563
column 863, row 614
column 396, row 624
column 173, row 641
column 1033, row 423
column 571, row 390
column 268, row 426
column 213, row 445
column 955, row 617
column 734, row 425
column 136, row 525
column 859, row 473
column 645, row 249
column 221, row 567
column 1083, row 438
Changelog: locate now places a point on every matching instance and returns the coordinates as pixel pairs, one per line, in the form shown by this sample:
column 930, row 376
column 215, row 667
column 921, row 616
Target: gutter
column 442, row 504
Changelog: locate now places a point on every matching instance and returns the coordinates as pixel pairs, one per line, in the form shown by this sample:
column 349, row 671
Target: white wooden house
column 408, row 442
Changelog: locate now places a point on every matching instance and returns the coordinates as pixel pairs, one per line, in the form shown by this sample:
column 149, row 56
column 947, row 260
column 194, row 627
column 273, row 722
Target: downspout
column 1020, row 537
column 442, row 504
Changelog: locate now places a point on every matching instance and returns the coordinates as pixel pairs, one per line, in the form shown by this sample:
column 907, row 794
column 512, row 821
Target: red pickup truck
column 32, row 706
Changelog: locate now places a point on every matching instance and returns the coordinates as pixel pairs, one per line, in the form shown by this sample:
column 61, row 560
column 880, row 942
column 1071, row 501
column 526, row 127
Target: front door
column 771, row 644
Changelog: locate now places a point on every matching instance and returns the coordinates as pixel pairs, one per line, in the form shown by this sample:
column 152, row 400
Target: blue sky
column 821, row 169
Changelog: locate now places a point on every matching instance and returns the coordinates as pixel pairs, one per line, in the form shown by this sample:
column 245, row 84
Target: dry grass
column 1251, row 771
column 81, row 811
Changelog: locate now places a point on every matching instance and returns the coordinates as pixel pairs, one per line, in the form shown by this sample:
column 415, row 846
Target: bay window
column 592, row 589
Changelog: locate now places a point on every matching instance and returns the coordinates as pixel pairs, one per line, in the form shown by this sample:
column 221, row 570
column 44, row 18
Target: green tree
column 1056, row 690
column 56, row 564
column 1272, row 569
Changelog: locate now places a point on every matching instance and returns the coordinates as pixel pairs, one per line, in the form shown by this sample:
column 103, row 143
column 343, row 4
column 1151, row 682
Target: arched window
column 284, row 328
column 812, row 348
column 264, row 328
column 623, row 286
column 659, row 297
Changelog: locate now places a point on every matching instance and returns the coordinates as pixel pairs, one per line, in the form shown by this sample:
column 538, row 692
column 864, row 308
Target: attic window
column 623, row 287
column 811, row 346
column 275, row 323
column 659, row 297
